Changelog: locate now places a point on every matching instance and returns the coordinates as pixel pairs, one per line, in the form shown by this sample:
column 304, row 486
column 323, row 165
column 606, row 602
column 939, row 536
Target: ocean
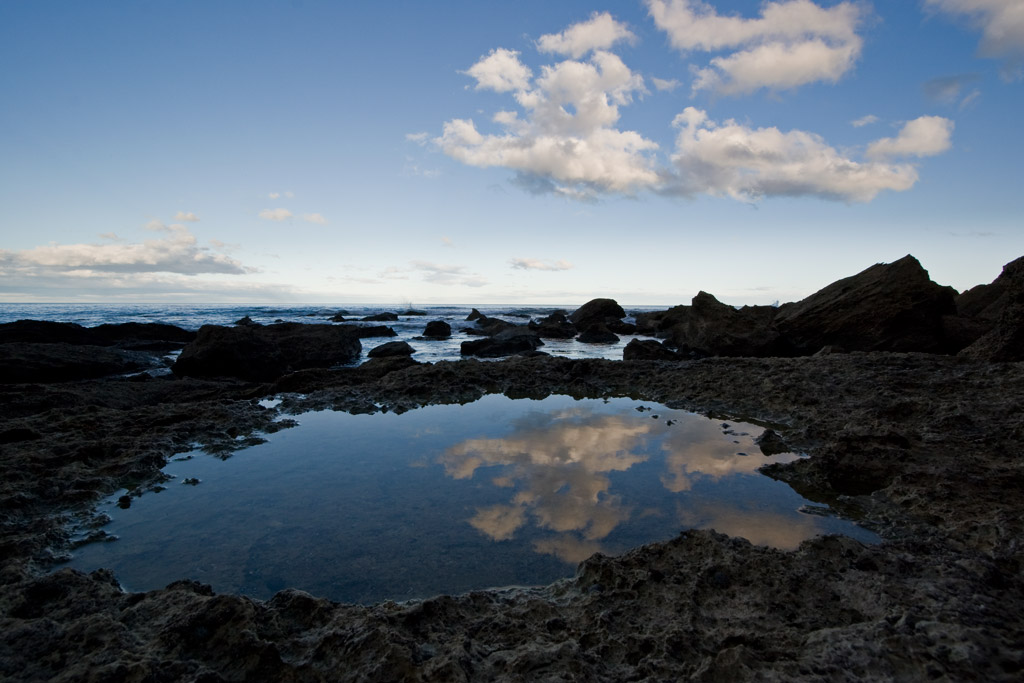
column 408, row 327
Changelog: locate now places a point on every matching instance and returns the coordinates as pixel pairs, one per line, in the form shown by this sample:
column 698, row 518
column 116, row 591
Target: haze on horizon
column 533, row 152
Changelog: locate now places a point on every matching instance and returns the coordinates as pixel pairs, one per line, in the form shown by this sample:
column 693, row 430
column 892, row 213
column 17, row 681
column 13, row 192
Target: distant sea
column 408, row 327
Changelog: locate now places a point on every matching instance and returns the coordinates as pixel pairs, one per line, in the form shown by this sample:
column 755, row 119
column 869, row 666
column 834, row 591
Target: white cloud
column 436, row 273
column 178, row 252
column 276, row 195
column 665, row 85
column 418, row 138
column 273, row 195
column 187, row 216
column 314, row 218
column 747, row 164
column 793, row 43
column 500, row 71
column 447, row 241
column 568, row 134
column 1002, row 28
column 538, row 264
column 864, row 121
column 600, row 32
column 924, row 136
column 275, row 214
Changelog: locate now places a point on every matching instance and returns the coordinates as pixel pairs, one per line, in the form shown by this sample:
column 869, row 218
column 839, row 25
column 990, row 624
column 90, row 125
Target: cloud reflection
column 759, row 527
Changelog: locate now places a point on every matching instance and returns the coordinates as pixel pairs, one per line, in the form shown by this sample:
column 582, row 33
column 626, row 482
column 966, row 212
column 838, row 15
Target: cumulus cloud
column 747, row 163
column 538, row 264
column 275, row 214
column 178, row 252
column 187, row 216
column 864, row 121
column 500, row 71
column 1002, row 28
column 600, row 32
column 568, row 135
column 314, row 218
column 792, row 43
column 925, row 136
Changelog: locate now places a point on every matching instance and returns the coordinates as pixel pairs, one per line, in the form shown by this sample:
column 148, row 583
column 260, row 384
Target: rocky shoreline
column 925, row 447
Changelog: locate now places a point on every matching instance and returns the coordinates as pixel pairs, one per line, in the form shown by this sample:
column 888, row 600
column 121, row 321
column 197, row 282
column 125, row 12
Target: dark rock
column 369, row 331
column 1005, row 341
column 648, row 349
column 47, row 363
column 489, row 327
column 596, row 311
column 381, row 318
column 710, row 328
column 138, row 336
column 507, row 343
column 771, row 443
column 620, row 327
column 264, row 353
column 888, row 307
column 18, row 434
column 46, row 332
column 389, row 349
column 597, row 333
column 246, row 321
column 554, row 326
column 413, row 312
column 474, row 315
column 438, row 329
column 338, row 318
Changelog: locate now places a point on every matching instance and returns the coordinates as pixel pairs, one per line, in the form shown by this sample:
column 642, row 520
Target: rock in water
column 888, row 307
column 264, row 353
column 648, row 349
column 390, row 349
column 710, row 328
column 507, row 343
column 597, row 333
column 438, row 329
column 596, row 311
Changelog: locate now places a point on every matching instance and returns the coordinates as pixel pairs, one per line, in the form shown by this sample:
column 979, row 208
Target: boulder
column 391, row 349
column 888, row 307
column 474, row 315
column 507, row 343
column 368, row 331
column 437, row 329
column 22, row 362
column 648, row 349
column 1004, row 342
column 597, row 333
column 381, row 318
column 554, row 326
column 621, row 327
column 489, row 327
column 264, row 353
column 710, row 328
column 596, row 311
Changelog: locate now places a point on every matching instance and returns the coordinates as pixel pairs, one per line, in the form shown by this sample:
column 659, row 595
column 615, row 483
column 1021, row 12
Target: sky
column 523, row 152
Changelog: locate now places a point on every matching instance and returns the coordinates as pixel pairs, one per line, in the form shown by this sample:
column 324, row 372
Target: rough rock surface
column 888, row 307
column 925, row 449
column 509, row 342
column 596, row 311
column 710, row 328
column 1005, row 340
column 390, row 349
column 648, row 349
column 257, row 352
column 554, row 326
column 20, row 362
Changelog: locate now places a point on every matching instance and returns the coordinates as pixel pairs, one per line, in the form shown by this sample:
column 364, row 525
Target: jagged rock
column 597, row 333
column 596, row 311
column 710, row 328
column 554, row 326
column 648, row 349
column 1005, row 341
column 438, row 329
column 381, row 318
column 507, row 343
column 264, row 353
column 389, row 349
column 474, row 315
column 888, row 307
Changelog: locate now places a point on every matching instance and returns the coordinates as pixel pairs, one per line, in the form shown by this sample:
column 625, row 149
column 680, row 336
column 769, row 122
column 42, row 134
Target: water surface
column 446, row 499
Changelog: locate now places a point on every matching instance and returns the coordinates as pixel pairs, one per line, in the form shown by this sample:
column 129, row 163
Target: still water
column 446, row 499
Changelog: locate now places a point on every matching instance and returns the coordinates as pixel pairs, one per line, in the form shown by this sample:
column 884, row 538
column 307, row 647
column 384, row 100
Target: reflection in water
column 447, row 499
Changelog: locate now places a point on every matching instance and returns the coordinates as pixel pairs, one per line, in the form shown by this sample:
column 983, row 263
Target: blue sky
column 486, row 152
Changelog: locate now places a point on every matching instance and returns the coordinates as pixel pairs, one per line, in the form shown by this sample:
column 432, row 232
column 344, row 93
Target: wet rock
column 710, row 328
column 596, row 311
column 139, row 336
column 339, row 317
column 246, row 321
column 771, row 443
column 554, row 326
column 438, row 329
column 597, row 333
column 46, row 363
column 474, row 315
column 507, row 343
column 413, row 312
column 887, row 307
column 390, row 349
column 648, row 349
column 264, row 353
column 489, row 327
column 621, row 327
column 381, row 318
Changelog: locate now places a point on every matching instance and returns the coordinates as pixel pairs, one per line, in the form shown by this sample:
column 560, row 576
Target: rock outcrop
column 596, row 311
column 554, row 326
column 391, row 349
column 264, row 353
column 507, row 343
column 437, row 329
column 648, row 349
column 1002, row 304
